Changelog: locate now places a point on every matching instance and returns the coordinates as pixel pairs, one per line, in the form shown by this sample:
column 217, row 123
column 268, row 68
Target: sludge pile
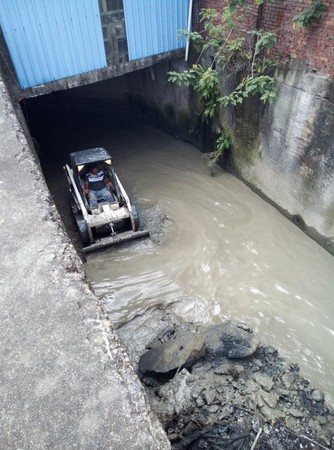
column 218, row 388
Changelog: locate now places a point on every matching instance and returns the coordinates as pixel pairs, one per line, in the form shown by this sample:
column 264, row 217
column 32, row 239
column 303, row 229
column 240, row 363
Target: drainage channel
column 217, row 252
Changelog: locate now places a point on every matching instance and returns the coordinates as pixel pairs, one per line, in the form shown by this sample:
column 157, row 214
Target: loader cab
column 82, row 160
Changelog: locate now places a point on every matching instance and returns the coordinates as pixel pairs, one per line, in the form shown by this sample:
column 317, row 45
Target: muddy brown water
column 226, row 252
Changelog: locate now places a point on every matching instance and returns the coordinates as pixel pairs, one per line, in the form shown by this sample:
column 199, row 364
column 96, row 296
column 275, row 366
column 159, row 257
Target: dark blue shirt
column 96, row 182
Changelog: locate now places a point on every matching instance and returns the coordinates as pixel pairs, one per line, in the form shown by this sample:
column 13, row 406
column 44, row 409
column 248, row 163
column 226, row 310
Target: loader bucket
column 115, row 240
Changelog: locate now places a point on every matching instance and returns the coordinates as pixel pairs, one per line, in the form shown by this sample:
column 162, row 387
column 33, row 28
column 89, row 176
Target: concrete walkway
column 65, row 379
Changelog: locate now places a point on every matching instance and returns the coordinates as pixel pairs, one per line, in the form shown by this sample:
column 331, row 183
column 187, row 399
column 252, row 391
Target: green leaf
column 310, row 14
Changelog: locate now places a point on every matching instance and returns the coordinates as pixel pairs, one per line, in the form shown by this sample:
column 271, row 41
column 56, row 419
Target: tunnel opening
column 72, row 120
column 100, row 115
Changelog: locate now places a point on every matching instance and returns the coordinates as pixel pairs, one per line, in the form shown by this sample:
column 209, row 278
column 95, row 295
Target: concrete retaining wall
column 286, row 150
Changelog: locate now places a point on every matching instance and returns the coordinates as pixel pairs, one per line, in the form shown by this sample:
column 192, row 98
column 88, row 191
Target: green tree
column 241, row 52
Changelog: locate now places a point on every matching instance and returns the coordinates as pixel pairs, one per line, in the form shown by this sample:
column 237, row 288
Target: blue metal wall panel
column 52, row 39
column 152, row 26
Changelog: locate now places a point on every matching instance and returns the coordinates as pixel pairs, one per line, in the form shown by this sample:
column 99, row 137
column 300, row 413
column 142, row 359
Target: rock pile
column 217, row 388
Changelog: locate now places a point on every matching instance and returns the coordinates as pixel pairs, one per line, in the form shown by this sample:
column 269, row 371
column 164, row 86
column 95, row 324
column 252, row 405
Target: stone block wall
column 314, row 45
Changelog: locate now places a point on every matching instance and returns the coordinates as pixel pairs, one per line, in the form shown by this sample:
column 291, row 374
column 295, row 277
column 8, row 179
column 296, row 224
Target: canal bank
column 66, row 381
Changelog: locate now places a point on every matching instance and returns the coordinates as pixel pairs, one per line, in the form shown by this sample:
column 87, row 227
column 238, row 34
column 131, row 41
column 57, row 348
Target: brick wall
column 314, row 45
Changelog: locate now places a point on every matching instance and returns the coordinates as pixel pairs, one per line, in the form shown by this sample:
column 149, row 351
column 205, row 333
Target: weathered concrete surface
column 103, row 74
column 286, row 150
column 66, row 381
column 173, row 108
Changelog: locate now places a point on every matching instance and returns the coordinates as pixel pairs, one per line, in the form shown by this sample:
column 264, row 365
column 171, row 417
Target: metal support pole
column 188, row 29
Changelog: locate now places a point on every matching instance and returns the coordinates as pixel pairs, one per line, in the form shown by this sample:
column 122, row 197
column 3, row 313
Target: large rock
column 233, row 340
column 181, row 351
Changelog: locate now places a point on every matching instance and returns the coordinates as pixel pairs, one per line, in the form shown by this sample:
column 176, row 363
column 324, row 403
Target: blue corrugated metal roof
column 52, row 39
column 152, row 26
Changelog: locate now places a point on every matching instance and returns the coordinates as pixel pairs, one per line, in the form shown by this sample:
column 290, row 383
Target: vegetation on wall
column 223, row 143
column 225, row 44
column 310, row 15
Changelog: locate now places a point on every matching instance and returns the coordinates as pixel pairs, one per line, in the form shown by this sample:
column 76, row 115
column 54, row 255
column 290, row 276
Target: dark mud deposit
column 217, row 387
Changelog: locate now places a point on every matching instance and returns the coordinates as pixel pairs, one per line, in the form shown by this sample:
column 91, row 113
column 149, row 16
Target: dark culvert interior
column 225, row 254
column 68, row 121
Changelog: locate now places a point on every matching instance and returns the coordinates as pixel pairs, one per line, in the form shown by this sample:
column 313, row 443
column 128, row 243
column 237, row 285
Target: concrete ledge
column 66, row 380
column 95, row 76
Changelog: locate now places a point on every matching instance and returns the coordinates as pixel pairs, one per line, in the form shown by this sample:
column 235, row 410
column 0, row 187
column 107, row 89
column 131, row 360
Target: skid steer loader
column 110, row 222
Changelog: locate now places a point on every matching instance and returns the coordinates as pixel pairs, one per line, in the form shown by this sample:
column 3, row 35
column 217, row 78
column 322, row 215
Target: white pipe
column 189, row 28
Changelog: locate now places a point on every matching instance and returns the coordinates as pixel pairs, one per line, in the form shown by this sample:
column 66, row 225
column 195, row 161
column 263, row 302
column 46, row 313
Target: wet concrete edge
column 296, row 219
